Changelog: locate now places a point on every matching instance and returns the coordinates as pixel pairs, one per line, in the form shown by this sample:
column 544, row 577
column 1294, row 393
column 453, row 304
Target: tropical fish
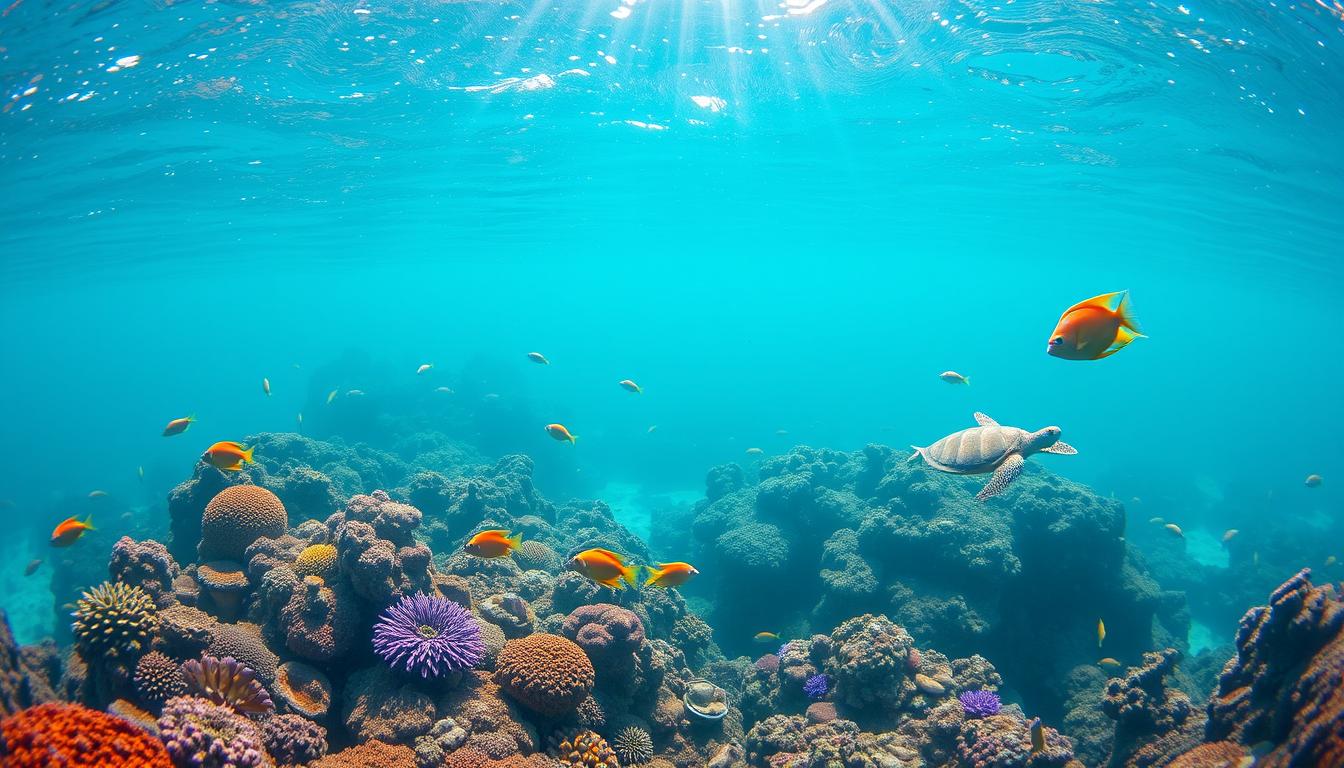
column 69, row 531
column 98, row 494
column 300, row 420
column 423, row 368
column 1331, row 560
column 1176, row 529
column 141, row 471
column 754, row 451
column 604, row 567
column 1037, row 735
column 178, row 426
column 766, row 637
column 539, row 358
column 782, row 432
column 493, row 543
column 266, row 386
column 355, row 393
column 228, row 456
column 630, row 386
column 1230, row 534
column 332, row 395
column 559, row 432
column 952, row 377
column 652, row 428
column 1101, row 632
column 1108, row 663
column 1096, row 328
column 670, row 574
column 32, row 567
column 1157, row 521
column 1313, row 480
column 443, row 390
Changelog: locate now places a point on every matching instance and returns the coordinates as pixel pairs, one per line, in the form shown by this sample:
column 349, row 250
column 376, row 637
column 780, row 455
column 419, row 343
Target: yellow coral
column 317, row 560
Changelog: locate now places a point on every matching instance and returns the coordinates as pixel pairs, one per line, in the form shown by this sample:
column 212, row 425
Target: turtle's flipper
column 1062, row 448
column 1005, row 474
column 984, row 420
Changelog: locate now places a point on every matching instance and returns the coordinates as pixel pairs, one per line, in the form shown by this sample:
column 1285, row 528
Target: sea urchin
column 817, row 686
column 428, row 635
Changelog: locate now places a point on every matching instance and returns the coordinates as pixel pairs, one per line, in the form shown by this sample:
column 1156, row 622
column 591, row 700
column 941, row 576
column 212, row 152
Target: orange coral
column 1218, row 754
column 370, row 754
column 238, row 516
column 547, row 673
column 71, row 736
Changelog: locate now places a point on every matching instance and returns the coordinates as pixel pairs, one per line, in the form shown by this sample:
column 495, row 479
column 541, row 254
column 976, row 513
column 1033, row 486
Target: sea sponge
column 238, row 516
column 584, row 749
column 317, row 560
column 71, row 736
column 294, row 740
column 633, row 745
column 319, row 622
column 302, row 689
column 547, row 673
column 158, row 678
column 428, row 636
column 392, row 520
column 199, row 734
column 114, row 620
column 243, row 642
column 371, row 754
column 225, row 681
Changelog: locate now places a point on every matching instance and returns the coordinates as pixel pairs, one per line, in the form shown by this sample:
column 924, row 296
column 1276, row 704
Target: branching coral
column 71, row 736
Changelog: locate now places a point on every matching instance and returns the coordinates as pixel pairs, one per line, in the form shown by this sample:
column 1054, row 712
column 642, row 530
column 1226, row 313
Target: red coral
column 71, row 736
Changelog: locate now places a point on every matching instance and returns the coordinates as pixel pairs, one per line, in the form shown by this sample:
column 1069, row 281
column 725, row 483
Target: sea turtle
column 990, row 448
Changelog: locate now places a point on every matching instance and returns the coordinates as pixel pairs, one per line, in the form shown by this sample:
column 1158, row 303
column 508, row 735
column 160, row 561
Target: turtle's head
column 1044, row 438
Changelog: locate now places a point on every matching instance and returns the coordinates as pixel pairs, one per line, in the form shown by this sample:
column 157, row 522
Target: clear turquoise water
column 773, row 217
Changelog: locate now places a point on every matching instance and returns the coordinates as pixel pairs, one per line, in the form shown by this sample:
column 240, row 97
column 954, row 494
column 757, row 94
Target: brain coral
column 114, row 620
column 71, row 736
column 158, row 678
column 199, row 734
column 317, row 560
column 547, row 673
column 536, row 555
column 238, row 516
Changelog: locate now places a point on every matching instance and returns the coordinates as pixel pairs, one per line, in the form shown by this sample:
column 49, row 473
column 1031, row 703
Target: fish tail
column 573, row 439
column 630, row 574
column 639, row 390
column 88, row 523
column 1125, row 311
column 654, row 573
column 247, row 456
column 966, row 380
column 515, row 541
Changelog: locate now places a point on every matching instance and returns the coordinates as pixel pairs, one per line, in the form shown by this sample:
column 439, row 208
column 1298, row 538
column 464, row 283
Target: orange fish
column 630, row 386
column 604, row 567
column 670, row 574
column 178, row 426
column 495, row 543
column 69, row 531
column 559, row 432
column 228, row 456
column 1175, row 529
column 1096, row 328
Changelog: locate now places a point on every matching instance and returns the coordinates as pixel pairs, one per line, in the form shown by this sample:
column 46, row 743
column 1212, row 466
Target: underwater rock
column 22, row 684
column 380, row 706
column 1152, row 719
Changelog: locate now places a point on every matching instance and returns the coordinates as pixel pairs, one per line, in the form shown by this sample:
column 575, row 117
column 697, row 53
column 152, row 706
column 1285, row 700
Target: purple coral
column 817, row 686
column 227, row 681
column 980, row 703
column 199, row 734
column 428, row 635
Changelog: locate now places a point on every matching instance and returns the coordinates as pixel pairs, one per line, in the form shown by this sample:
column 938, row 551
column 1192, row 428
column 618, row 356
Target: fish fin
column 1062, row 448
column 1105, row 301
column 1003, row 477
column 614, row 582
column 984, row 420
column 1125, row 311
column 515, row 541
column 247, row 456
column 614, row 556
column 1122, row 340
column 630, row 574
column 88, row 523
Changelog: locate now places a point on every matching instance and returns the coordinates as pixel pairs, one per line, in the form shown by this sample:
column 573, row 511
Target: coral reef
column 225, row 681
column 979, row 703
column 1152, row 718
column 293, row 740
column 546, row 673
column 158, row 678
column 372, row 754
column 72, row 736
column 199, row 734
column 428, row 636
column 584, row 749
column 115, row 621
column 237, row 516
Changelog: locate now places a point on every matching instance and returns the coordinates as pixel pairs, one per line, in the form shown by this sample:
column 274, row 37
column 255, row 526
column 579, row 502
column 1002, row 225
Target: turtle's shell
column 976, row 450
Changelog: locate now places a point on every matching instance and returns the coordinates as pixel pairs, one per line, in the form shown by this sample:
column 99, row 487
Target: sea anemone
column 228, row 682
column 114, row 620
column 633, row 745
column 428, row 635
column 980, row 703
column 817, row 686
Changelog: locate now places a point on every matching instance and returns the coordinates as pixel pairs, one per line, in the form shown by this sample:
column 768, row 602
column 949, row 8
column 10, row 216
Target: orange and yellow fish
column 630, row 386
column 604, row 567
column 1096, row 328
column 766, row 637
column 1101, row 632
column 1175, row 529
column 559, row 432
column 69, row 531
column 493, row 543
column 228, row 456
column 670, row 574
column 178, row 426
column 1108, row 663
